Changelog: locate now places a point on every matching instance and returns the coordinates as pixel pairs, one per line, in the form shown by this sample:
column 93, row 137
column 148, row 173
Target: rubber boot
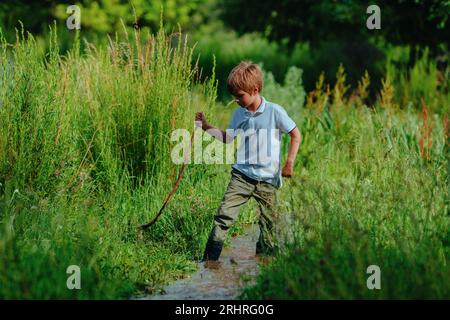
column 264, row 250
column 213, row 250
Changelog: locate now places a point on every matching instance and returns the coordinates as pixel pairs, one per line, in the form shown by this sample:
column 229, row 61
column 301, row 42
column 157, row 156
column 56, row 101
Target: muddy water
column 238, row 267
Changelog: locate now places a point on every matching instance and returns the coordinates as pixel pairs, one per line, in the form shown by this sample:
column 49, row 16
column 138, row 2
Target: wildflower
column 426, row 130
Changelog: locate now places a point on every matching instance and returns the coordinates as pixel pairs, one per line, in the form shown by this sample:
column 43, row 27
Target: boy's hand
column 296, row 138
column 288, row 170
column 200, row 118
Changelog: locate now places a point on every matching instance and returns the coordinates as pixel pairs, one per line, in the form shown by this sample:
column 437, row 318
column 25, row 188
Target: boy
column 251, row 175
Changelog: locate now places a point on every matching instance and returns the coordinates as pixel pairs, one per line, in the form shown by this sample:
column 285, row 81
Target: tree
column 102, row 16
column 421, row 22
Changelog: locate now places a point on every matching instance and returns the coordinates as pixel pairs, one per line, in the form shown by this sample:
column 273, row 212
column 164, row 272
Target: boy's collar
column 260, row 109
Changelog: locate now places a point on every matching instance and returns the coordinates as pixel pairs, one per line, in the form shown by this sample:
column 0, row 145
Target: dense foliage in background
column 102, row 16
column 423, row 22
column 336, row 32
column 315, row 36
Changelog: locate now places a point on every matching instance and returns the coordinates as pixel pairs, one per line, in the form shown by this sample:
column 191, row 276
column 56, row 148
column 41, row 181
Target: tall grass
column 422, row 79
column 371, row 189
column 85, row 159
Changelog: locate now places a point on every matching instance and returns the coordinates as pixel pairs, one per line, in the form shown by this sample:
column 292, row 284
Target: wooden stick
column 180, row 175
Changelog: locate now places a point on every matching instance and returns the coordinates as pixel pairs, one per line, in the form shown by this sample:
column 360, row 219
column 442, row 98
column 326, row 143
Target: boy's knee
column 218, row 233
column 222, row 221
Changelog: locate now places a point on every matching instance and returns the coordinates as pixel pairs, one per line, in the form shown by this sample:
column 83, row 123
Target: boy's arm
column 215, row 132
column 296, row 139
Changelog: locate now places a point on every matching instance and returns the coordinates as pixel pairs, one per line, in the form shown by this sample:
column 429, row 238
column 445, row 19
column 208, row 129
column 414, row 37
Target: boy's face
column 244, row 99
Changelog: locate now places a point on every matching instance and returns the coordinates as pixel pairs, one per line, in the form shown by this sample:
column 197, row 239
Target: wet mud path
column 237, row 269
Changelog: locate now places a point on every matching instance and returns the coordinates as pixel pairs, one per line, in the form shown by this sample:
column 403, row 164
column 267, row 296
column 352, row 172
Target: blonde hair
column 246, row 76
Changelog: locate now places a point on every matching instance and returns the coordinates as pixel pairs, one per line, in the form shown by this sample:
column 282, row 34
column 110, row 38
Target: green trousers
column 240, row 189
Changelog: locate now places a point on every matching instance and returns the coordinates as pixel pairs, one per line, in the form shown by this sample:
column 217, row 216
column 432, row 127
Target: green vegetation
column 85, row 151
column 85, row 159
column 372, row 189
